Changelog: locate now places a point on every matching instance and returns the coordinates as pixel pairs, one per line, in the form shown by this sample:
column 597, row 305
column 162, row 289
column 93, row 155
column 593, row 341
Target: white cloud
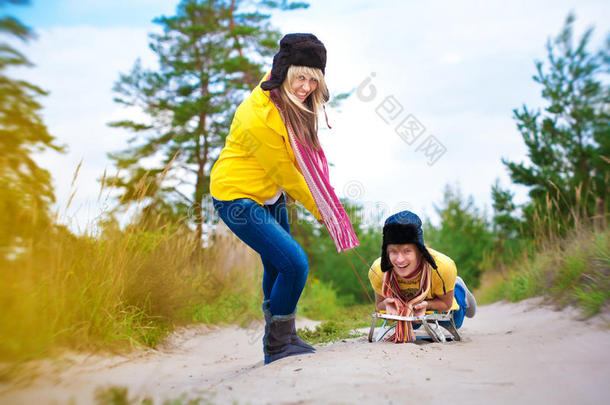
column 104, row 7
column 459, row 67
column 79, row 66
column 451, row 58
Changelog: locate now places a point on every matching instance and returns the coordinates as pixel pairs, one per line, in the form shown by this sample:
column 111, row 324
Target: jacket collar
column 271, row 114
column 259, row 95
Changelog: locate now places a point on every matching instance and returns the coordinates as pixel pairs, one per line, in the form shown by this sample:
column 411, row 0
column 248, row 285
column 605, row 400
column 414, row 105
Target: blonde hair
column 303, row 117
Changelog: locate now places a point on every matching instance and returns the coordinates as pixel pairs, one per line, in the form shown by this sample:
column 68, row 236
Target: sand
column 510, row 353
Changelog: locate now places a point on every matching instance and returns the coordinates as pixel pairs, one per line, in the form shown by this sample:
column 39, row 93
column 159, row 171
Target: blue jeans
column 266, row 230
column 458, row 315
column 460, row 297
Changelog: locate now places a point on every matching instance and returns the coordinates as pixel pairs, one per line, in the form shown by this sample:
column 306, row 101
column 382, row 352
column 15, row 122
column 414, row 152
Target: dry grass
column 117, row 288
column 566, row 257
column 574, row 270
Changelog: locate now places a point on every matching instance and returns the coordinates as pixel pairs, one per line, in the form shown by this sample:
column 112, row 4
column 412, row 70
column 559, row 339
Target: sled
column 432, row 322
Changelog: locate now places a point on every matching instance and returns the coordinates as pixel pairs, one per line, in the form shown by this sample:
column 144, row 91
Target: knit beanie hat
column 403, row 227
column 299, row 50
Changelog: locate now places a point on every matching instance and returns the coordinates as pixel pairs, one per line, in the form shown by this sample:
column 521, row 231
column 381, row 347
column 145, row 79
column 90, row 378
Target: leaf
column 14, row 27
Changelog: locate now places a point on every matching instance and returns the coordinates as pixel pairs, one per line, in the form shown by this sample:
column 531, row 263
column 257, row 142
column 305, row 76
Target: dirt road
column 511, row 353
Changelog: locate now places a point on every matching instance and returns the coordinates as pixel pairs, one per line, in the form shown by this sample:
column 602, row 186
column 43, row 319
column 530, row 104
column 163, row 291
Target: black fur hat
column 403, row 227
column 299, row 50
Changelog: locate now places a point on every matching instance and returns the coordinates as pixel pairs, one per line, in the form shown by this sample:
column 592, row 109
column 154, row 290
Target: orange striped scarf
column 404, row 329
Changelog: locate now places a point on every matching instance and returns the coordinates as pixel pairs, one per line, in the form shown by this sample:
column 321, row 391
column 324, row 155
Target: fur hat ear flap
column 385, row 260
column 427, row 256
column 278, row 72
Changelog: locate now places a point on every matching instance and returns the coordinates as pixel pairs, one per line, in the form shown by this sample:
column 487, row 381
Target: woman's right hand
column 390, row 306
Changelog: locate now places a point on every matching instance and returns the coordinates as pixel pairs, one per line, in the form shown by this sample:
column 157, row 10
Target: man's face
column 404, row 258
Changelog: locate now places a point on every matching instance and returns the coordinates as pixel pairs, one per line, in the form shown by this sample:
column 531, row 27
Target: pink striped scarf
column 404, row 329
column 314, row 168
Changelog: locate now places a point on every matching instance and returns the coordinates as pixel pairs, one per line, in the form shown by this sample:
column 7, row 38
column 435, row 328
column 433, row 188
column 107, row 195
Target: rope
column 359, row 279
column 383, row 281
column 404, row 331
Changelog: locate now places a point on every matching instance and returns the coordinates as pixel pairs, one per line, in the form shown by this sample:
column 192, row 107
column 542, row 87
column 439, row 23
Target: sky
column 435, row 85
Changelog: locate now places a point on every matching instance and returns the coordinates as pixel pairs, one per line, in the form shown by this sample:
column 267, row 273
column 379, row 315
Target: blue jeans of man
column 265, row 229
column 460, row 297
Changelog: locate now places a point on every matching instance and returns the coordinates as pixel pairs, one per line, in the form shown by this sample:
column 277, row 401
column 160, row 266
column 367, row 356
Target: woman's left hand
column 420, row 309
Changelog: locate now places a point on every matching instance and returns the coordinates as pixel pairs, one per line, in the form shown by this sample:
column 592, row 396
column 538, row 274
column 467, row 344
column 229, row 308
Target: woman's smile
column 303, row 85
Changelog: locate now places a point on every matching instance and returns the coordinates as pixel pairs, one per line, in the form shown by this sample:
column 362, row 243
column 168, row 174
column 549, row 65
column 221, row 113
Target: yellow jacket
column 257, row 158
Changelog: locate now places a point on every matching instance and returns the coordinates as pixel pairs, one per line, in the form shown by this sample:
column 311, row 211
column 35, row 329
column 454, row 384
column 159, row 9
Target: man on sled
column 410, row 279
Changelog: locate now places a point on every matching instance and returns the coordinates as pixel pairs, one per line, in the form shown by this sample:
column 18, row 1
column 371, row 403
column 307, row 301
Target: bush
column 572, row 271
column 121, row 288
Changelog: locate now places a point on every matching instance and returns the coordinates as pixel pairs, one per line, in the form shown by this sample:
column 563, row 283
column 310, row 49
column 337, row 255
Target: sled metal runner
column 431, row 323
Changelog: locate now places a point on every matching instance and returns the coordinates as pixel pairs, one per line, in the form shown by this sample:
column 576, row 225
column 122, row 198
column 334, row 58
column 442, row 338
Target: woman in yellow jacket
column 257, row 166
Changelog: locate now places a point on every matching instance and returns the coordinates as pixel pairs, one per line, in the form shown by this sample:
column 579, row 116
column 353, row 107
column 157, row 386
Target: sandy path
column 510, row 353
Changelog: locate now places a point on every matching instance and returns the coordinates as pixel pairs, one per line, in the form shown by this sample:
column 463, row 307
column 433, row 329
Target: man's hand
column 420, row 309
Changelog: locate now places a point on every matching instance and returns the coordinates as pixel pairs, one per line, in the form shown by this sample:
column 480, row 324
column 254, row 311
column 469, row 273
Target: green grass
column 572, row 271
column 118, row 395
column 321, row 302
column 340, row 326
column 120, row 289
column 329, row 331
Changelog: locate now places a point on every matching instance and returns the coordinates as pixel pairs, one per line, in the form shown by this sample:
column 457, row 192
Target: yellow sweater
column 257, row 158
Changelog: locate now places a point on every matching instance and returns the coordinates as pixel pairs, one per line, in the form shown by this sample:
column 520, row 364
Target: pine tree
column 463, row 234
column 507, row 227
column 210, row 54
column 569, row 142
column 26, row 192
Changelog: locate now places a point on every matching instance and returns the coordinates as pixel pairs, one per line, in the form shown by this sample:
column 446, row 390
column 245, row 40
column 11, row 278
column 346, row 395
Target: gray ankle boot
column 276, row 342
column 294, row 337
